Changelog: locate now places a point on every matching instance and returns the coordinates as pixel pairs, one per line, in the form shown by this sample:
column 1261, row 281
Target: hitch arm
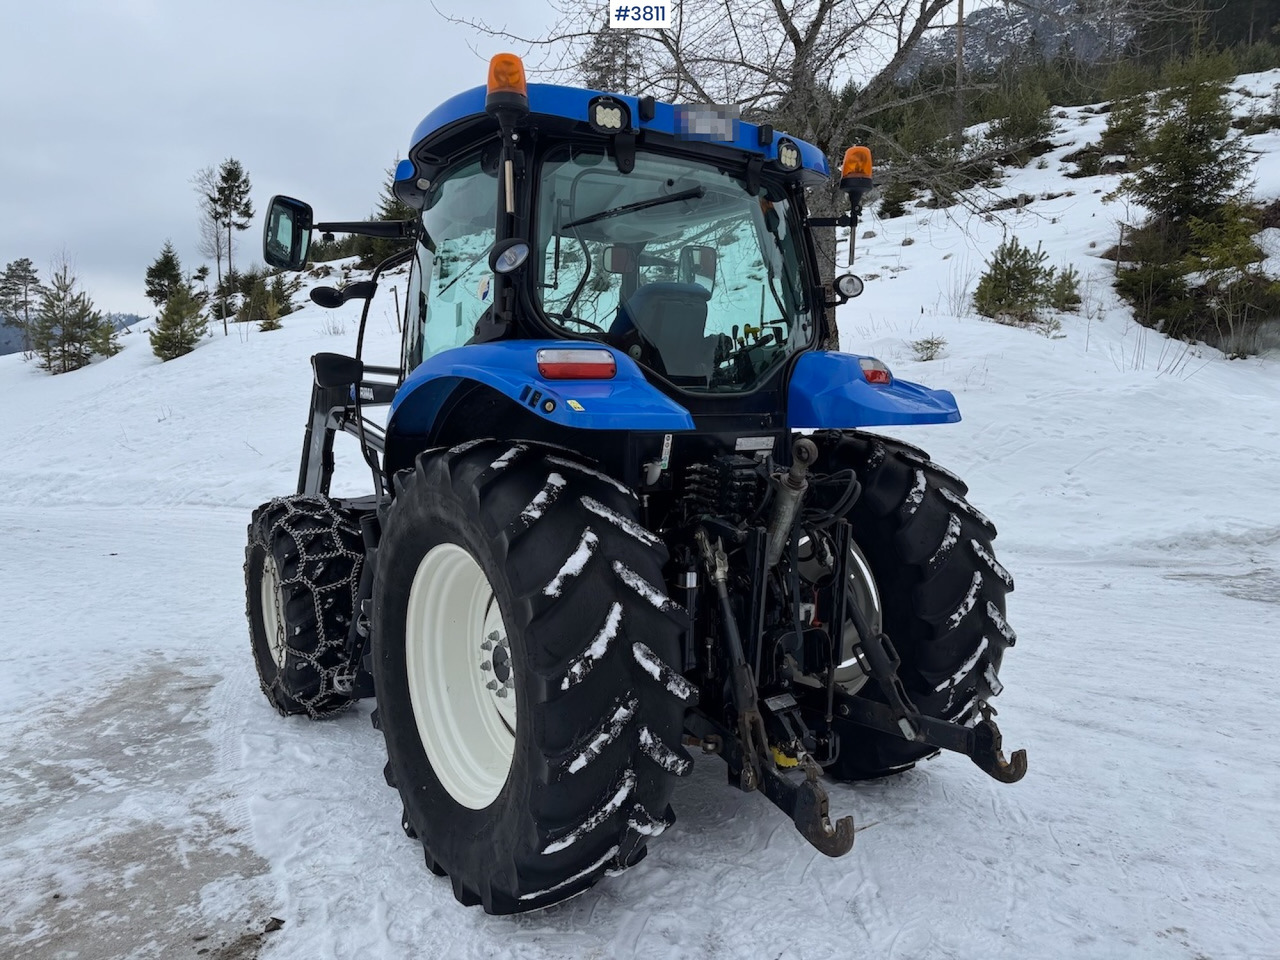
column 981, row 743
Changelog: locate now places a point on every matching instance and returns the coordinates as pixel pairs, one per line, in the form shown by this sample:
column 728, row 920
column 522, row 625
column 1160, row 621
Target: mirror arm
column 385, row 229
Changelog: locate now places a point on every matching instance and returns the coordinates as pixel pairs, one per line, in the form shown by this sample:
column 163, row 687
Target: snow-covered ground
column 153, row 805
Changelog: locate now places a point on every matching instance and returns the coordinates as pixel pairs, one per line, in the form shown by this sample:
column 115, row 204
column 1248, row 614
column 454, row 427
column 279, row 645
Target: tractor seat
column 671, row 320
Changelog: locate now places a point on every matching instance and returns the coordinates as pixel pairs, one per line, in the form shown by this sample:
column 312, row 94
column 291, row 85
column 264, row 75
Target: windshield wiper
column 465, row 271
column 695, row 193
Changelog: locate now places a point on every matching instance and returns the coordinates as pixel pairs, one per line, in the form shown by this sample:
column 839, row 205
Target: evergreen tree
column 1017, row 286
column 283, row 290
column 1021, row 115
column 20, row 292
column 373, row 250
column 164, row 276
column 255, row 299
column 230, row 205
column 1126, row 127
column 270, row 314
column 201, row 276
column 1189, row 166
column 612, row 63
column 67, row 331
column 180, row 326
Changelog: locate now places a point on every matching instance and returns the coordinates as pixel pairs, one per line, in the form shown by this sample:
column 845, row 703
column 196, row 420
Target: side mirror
column 619, row 260
column 286, row 238
column 698, row 263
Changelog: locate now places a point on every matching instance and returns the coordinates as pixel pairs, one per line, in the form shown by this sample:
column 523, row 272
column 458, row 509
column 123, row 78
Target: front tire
column 942, row 592
column 522, row 657
column 302, row 576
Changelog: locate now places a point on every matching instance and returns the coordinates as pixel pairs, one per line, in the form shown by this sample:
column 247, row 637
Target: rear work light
column 874, row 371
column 576, row 364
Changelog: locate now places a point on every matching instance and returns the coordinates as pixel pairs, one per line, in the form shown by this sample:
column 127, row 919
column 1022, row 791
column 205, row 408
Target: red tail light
column 576, row 364
column 874, row 371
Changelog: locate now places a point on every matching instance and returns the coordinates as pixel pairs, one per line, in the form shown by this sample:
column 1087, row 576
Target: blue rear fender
column 626, row 402
column 828, row 390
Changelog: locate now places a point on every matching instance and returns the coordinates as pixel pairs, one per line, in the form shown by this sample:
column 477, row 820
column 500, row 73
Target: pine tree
column 270, row 314
column 164, row 276
column 1240, row 295
column 201, row 276
column 255, row 298
column 373, row 250
column 229, row 204
column 1189, row 164
column 612, row 63
column 67, row 331
column 180, row 326
column 1126, row 126
column 1022, row 118
column 20, row 293
column 284, row 289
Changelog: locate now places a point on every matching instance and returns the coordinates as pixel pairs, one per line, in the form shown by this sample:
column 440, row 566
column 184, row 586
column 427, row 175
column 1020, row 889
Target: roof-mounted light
column 788, row 155
column 608, row 115
column 576, row 363
column 507, row 88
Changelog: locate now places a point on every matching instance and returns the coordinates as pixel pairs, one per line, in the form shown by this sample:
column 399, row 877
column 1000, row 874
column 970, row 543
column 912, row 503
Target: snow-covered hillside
column 153, row 805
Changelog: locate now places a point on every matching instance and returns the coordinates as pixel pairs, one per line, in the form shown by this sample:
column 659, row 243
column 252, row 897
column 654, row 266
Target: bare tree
column 823, row 70
column 213, row 242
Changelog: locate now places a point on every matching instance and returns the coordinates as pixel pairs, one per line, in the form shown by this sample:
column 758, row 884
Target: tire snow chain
column 335, row 678
column 796, row 791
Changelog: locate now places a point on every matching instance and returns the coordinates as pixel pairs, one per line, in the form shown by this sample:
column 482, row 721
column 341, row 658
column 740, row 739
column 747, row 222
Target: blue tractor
column 623, row 503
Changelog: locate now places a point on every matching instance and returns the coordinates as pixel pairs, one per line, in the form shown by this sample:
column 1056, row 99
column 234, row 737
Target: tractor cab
column 688, row 257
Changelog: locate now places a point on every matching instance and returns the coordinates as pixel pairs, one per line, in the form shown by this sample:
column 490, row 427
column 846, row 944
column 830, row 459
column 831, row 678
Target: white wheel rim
column 272, row 612
column 461, row 685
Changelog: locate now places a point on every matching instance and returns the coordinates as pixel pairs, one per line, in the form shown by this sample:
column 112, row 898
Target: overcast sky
column 108, row 107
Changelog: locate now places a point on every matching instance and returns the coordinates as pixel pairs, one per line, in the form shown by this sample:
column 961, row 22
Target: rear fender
column 828, row 390
column 626, row 402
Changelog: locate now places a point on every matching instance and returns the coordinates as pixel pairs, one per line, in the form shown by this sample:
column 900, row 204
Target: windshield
column 675, row 263
column 450, row 283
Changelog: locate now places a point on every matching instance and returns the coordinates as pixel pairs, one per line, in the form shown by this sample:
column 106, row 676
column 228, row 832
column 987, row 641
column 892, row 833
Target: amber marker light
column 855, row 172
column 507, row 85
column 857, row 163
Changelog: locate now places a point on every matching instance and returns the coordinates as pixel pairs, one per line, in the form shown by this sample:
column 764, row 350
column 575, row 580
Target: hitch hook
column 807, row 805
column 989, row 756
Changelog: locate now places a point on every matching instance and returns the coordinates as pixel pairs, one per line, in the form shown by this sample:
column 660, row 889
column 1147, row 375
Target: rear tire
column 941, row 588
column 505, row 568
column 302, row 575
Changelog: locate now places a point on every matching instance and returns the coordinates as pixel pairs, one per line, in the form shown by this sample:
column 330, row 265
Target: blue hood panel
column 828, row 390
column 627, row 402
